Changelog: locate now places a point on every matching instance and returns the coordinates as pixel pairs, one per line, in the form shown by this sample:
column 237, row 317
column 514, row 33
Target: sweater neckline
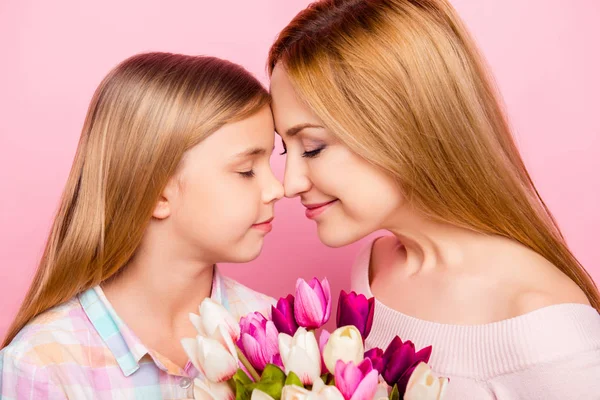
column 491, row 349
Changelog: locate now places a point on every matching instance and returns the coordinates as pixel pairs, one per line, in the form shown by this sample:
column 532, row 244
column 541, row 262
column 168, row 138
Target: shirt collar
column 121, row 341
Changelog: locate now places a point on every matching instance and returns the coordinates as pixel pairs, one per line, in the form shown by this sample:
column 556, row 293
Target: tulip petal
column 367, row 387
column 285, row 343
column 191, row 348
column 271, row 340
column 376, row 357
column 326, row 288
column 424, row 354
column 214, row 314
column 254, row 352
column 260, row 395
column 218, row 364
column 196, row 320
column 308, row 308
column 205, row 390
column 347, row 378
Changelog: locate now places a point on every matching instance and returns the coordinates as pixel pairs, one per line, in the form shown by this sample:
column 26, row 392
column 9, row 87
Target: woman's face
column 344, row 194
column 221, row 202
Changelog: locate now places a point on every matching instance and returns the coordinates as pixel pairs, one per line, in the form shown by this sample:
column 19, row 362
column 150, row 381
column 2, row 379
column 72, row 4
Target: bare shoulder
column 544, row 284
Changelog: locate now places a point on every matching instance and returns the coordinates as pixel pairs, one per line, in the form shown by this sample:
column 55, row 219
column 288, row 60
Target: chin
column 332, row 236
column 245, row 253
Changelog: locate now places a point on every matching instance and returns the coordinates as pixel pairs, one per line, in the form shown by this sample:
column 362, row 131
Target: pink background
column 544, row 54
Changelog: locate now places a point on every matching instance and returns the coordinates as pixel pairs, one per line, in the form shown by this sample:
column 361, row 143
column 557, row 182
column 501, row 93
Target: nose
column 295, row 180
column 274, row 189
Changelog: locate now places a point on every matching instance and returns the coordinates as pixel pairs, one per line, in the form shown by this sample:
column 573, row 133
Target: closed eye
column 313, row 153
column 247, row 174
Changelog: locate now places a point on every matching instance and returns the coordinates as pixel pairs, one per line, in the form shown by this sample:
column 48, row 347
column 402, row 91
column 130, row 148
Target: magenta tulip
column 356, row 309
column 283, row 315
column 401, row 359
column 376, row 357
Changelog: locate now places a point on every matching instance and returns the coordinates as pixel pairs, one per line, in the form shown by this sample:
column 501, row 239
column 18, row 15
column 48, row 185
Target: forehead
column 256, row 131
column 288, row 109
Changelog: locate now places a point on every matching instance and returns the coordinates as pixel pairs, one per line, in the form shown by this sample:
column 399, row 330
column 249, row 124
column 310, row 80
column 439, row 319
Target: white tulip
column 301, row 355
column 422, row 385
column 320, row 391
column 215, row 357
column 382, row 392
column 206, row 390
column 344, row 344
column 260, row 395
column 212, row 315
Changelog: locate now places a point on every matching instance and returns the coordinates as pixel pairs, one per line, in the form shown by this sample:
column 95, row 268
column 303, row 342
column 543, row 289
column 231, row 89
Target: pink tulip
column 323, row 338
column 259, row 341
column 356, row 382
column 312, row 307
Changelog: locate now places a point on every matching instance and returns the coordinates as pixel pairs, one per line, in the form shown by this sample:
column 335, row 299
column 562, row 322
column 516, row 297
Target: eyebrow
column 252, row 152
column 297, row 128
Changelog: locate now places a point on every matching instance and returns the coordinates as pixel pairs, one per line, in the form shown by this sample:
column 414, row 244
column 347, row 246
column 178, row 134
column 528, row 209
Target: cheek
column 366, row 193
column 219, row 204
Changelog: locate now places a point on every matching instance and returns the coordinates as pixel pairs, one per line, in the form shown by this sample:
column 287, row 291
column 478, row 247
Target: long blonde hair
column 142, row 118
column 402, row 83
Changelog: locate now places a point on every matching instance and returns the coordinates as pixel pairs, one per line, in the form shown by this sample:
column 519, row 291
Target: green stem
column 247, row 364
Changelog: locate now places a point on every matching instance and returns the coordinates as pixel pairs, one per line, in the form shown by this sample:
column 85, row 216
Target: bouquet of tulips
column 279, row 356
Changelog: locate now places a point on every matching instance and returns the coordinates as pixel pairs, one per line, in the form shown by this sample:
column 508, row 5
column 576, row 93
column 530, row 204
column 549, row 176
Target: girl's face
column 347, row 197
column 221, row 202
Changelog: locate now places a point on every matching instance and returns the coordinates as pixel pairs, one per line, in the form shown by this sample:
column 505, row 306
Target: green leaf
column 242, row 377
column 243, row 383
column 293, row 379
column 272, row 373
column 242, row 392
column 271, row 381
column 272, row 388
column 395, row 395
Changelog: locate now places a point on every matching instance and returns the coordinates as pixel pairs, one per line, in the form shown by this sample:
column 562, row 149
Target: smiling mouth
column 265, row 226
column 314, row 210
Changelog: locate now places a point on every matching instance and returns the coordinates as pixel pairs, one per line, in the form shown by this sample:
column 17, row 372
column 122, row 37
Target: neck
column 428, row 244
column 161, row 284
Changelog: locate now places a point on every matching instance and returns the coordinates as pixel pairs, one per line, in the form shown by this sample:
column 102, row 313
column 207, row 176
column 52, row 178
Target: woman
column 390, row 122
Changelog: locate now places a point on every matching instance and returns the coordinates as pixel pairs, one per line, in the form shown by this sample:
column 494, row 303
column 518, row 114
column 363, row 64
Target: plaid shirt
column 83, row 350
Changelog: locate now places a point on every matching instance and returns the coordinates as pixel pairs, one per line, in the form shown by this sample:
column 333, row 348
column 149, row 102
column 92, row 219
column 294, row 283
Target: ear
column 164, row 205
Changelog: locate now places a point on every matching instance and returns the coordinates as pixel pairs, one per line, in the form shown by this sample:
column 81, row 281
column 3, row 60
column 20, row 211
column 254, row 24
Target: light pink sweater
column 551, row 353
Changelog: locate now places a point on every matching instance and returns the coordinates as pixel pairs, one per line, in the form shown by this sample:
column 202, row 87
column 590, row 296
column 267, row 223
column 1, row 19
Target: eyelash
column 313, row 153
column 306, row 154
column 247, row 174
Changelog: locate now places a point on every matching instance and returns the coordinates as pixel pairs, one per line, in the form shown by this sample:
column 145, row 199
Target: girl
column 390, row 122
column 171, row 176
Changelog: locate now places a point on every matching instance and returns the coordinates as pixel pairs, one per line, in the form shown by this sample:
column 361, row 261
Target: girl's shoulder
column 39, row 342
column 241, row 300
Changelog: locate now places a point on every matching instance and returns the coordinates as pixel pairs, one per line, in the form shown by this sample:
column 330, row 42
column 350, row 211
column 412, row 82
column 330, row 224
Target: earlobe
column 162, row 209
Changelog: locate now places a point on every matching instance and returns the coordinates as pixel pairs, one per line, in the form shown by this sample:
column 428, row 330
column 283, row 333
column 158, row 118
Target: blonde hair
column 142, row 118
column 402, row 83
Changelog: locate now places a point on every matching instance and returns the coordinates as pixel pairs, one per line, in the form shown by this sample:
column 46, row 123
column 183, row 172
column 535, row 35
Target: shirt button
column 185, row 383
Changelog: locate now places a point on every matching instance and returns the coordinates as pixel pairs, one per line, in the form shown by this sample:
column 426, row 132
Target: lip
column 314, row 210
column 265, row 226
